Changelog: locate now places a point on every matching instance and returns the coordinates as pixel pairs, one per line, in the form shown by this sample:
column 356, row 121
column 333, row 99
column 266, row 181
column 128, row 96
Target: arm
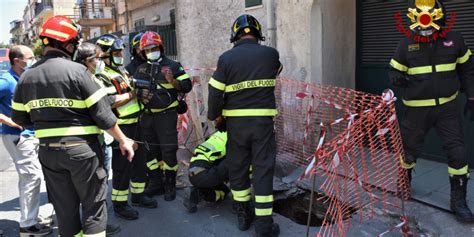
column 465, row 69
column 179, row 79
column 399, row 67
column 122, row 99
column 19, row 114
column 216, row 92
column 9, row 122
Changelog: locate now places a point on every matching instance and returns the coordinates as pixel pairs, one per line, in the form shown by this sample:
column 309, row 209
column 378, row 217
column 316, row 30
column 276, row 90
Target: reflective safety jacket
column 61, row 100
column 244, row 81
column 117, row 82
column 212, row 150
column 165, row 96
column 434, row 71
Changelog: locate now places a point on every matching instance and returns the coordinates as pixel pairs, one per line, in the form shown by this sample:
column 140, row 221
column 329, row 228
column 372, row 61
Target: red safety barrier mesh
column 349, row 140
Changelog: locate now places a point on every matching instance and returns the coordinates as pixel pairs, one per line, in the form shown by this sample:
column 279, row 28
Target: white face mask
column 118, row 60
column 153, row 56
column 99, row 67
column 29, row 63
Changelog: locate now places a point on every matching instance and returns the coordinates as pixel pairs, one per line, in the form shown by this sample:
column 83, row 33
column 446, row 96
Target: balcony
column 42, row 7
column 94, row 14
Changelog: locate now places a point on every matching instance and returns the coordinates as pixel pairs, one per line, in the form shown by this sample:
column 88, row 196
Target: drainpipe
column 271, row 26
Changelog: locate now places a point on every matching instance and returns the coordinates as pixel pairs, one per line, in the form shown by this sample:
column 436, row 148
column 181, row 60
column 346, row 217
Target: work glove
column 220, row 124
column 469, row 108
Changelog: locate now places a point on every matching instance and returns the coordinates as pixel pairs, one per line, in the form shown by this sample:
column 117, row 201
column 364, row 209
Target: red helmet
column 150, row 40
column 60, row 28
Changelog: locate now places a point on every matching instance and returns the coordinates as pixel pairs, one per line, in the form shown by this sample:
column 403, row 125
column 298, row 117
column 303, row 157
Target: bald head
column 19, row 56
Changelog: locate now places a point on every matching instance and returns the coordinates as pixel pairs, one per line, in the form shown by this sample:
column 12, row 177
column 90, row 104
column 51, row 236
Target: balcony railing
column 43, row 5
column 95, row 13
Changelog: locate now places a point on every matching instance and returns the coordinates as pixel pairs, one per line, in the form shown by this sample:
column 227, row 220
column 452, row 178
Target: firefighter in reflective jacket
column 158, row 122
column 68, row 110
column 208, row 172
column 431, row 75
column 126, row 175
column 242, row 90
column 137, row 56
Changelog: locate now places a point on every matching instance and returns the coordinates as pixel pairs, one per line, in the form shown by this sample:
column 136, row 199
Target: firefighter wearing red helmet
column 68, row 111
column 158, row 122
column 431, row 74
column 242, row 90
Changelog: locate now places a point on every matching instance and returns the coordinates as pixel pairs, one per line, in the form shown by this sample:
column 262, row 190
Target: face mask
column 29, row 63
column 99, row 67
column 118, row 60
column 153, row 55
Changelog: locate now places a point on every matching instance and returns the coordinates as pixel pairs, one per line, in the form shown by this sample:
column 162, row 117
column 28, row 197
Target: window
column 252, row 3
column 139, row 24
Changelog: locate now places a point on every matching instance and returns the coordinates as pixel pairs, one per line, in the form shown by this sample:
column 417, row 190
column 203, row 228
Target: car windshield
column 3, row 52
column 4, row 66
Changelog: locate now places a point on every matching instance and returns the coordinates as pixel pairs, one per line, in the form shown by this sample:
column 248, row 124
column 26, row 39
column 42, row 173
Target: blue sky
column 10, row 10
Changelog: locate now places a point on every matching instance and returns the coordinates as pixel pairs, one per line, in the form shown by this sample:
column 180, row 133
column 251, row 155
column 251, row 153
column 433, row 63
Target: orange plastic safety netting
column 348, row 139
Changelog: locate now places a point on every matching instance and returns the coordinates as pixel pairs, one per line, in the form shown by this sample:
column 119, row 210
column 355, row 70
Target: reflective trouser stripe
column 249, row 112
column 68, row 131
column 263, row 199
column 153, row 164
column 430, row 102
column 165, row 166
column 464, row 170
column 263, row 211
column 119, row 195
column 220, row 195
column 137, row 187
column 405, row 165
column 242, row 195
column 172, row 105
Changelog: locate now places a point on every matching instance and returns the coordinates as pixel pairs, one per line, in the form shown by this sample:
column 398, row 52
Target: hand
column 469, row 108
column 9, row 122
column 145, row 95
column 220, row 124
column 128, row 147
column 169, row 76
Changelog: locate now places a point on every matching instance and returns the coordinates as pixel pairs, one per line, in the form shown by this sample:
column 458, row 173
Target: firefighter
column 431, row 75
column 208, row 172
column 242, row 95
column 158, row 122
column 127, row 176
column 137, row 58
column 68, row 111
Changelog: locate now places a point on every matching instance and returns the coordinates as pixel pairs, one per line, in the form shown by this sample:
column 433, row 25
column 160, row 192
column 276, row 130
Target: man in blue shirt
column 22, row 145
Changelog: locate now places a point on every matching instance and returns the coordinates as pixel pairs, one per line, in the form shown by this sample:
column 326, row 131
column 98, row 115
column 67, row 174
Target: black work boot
column 124, row 211
column 244, row 215
column 170, row 185
column 274, row 231
column 155, row 184
column 192, row 200
column 142, row 200
column 112, row 229
column 458, row 198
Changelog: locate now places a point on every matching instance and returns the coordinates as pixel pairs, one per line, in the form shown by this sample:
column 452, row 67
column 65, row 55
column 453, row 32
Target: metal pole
column 271, row 29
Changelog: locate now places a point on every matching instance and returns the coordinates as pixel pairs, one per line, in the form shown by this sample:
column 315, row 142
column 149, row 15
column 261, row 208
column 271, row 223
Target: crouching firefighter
column 157, row 124
column 127, row 176
column 431, row 75
column 208, row 172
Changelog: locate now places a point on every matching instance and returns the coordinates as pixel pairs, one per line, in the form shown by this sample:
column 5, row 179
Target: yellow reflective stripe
column 429, row 102
column 91, row 100
column 464, row 170
column 446, row 67
column 55, row 103
column 18, row 106
column 106, row 43
column 263, row 211
column 419, row 70
column 241, row 196
column 217, row 84
column 67, row 24
column 165, row 85
column 405, row 165
column 165, row 166
column 100, row 234
column 119, row 195
column 174, row 104
column 127, row 121
column 263, row 199
column 249, row 112
column 250, row 85
column 129, row 108
column 57, row 33
column 137, row 185
column 119, row 192
column 220, row 195
column 398, row 66
column 464, row 58
column 199, row 157
column 183, row 77
column 110, row 90
column 80, row 234
column 69, row 131
column 137, row 190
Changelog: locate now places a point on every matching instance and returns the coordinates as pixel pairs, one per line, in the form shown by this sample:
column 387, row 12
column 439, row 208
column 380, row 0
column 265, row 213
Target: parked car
column 4, row 60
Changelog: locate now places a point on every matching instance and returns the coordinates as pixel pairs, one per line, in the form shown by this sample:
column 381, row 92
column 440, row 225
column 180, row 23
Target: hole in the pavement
column 296, row 208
